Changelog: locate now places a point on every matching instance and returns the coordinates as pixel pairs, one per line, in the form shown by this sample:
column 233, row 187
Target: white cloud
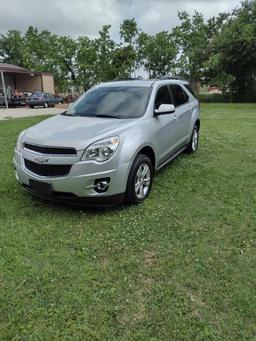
column 86, row 17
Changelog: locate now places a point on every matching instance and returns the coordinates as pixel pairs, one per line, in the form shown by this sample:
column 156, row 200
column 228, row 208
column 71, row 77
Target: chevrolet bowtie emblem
column 41, row 159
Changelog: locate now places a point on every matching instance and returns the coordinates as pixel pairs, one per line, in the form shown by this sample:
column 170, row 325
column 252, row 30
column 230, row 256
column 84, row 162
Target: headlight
column 19, row 140
column 101, row 150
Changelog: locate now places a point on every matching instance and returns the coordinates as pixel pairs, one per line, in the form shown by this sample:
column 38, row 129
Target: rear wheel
column 193, row 143
column 139, row 180
column 31, row 106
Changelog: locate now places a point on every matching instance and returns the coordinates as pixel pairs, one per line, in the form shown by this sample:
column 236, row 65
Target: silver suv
column 107, row 146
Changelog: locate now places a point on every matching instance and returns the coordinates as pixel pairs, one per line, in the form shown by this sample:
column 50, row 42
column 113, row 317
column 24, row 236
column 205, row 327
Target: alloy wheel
column 142, row 181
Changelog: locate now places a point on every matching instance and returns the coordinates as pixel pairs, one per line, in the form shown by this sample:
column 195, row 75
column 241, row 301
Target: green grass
column 182, row 266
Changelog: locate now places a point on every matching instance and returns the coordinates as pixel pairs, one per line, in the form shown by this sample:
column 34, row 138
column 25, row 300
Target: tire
column 31, row 106
column 46, row 105
column 194, row 141
column 138, row 189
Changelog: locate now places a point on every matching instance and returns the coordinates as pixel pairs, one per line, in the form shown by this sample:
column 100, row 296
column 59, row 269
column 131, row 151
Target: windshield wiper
column 66, row 114
column 107, row 115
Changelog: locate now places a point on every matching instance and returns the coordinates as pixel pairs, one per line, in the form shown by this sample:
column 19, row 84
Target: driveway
column 26, row 112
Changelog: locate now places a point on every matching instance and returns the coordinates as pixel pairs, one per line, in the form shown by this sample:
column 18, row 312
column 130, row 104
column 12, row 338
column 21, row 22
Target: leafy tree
column 36, row 51
column 234, row 52
column 87, row 63
column 157, row 53
column 11, row 47
column 65, row 58
column 126, row 55
column 105, row 48
column 192, row 39
column 220, row 51
column 129, row 31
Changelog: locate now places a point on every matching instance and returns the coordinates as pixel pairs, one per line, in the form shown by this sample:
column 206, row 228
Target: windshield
column 37, row 94
column 118, row 101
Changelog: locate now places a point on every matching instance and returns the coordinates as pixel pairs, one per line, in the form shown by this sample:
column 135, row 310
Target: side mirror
column 164, row 109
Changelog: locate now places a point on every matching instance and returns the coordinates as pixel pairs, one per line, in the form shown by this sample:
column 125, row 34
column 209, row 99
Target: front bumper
column 66, row 198
column 78, row 186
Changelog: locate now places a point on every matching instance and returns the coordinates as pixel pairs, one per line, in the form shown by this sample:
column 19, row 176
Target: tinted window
column 118, row 101
column 163, row 97
column 188, row 86
column 178, row 94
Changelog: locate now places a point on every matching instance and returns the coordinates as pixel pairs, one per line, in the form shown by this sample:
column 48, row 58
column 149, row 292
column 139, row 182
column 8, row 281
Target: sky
column 86, row 17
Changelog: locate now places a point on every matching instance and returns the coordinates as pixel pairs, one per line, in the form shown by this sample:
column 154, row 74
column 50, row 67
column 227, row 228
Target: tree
column 157, row 53
column 87, row 63
column 192, row 38
column 65, row 58
column 127, row 52
column 35, row 50
column 234, row 52
column 105, row 48
column 12, row 47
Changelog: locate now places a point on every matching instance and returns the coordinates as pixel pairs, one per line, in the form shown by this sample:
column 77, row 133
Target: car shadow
column 59, row 206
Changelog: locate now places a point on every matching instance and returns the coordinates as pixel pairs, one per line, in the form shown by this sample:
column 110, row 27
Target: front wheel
column 193, row 143
column 139, row 180
column 46, row 105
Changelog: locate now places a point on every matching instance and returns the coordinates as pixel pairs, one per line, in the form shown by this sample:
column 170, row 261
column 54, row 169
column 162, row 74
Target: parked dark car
column 17, row 102
column 15, row 98
column 44, row 99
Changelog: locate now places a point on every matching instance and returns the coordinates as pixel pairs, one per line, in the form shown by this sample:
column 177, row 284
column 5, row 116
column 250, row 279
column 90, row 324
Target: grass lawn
column 182, row 266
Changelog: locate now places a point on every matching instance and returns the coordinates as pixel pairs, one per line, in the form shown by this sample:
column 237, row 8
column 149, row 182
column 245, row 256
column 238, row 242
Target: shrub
column 225, row 98
column 215, row 98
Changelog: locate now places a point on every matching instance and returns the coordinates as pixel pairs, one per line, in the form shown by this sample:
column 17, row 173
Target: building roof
column 13, row 68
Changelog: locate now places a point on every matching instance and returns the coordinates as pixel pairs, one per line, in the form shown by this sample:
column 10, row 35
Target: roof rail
column 171, row 77
column 128, row 79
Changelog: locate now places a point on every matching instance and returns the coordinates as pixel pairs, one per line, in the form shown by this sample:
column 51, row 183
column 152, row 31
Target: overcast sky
column 86, row 17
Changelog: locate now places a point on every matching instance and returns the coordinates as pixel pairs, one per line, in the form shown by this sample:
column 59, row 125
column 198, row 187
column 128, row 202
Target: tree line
column 220, row 51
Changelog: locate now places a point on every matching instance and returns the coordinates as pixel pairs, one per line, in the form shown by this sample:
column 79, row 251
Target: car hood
column 75, row 131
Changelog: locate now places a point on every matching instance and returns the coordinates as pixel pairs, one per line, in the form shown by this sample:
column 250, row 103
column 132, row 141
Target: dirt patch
column 149, row 258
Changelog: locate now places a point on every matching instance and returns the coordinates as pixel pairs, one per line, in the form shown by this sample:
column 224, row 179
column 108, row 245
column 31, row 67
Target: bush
column 215, row 98
column 226, row 98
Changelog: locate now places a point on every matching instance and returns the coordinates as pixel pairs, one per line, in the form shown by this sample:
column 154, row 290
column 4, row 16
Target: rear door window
column 179, row 95
column 188, row 86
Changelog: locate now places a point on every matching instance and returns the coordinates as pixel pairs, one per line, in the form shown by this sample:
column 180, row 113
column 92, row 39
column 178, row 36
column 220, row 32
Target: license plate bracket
column 40, row 187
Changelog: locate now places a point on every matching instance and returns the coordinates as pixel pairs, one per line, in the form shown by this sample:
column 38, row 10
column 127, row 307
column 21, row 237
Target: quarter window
column 188, row 86
column 163, row 97
column 178, row 94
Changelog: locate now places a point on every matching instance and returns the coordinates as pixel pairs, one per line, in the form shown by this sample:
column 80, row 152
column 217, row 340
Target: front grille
column 47, row 170
column 54, row 193
column 50, row 150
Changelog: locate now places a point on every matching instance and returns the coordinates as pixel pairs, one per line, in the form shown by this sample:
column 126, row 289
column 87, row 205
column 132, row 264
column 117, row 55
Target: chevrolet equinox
column 105, row 148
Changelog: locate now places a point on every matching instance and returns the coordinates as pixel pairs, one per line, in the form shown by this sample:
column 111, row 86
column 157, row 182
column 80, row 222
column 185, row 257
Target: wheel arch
column 147, row 150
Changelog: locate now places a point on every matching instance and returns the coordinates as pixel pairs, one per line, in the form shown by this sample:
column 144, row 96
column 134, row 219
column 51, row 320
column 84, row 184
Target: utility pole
column 4, row 89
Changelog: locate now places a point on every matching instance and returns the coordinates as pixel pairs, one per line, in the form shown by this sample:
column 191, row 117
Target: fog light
column 101, row 185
